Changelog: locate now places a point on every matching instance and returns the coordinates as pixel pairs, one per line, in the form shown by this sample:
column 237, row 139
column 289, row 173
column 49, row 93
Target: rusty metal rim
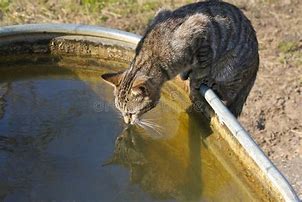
column 225, row 116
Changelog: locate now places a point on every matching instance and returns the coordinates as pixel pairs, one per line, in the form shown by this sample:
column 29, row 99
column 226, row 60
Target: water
column 63, row 140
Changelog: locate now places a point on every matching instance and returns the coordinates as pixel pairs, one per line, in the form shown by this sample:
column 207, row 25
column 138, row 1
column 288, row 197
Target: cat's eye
column 138, row 91
column 142, row 89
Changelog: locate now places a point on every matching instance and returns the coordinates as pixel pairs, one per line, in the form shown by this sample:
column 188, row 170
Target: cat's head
column 134, row 94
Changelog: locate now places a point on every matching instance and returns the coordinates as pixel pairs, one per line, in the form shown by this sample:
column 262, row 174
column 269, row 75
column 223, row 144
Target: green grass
column 93, row 5
column 288, row 46
column 126, row 6
column 290, row 52
column 130, row 15
column 269, row 1
column 4, row 4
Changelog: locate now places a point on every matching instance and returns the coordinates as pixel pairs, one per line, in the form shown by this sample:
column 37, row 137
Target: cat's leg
column 236, row 81
column 198, row 101
column 236, row 105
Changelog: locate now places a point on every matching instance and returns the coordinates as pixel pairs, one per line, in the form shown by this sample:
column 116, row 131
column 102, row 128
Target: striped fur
column 208, row 42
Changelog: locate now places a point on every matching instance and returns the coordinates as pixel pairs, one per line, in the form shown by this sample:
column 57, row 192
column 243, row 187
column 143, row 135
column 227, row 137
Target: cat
column 209, row 42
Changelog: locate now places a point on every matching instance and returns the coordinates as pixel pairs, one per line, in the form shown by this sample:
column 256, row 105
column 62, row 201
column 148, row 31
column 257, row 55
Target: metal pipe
column 252, row 149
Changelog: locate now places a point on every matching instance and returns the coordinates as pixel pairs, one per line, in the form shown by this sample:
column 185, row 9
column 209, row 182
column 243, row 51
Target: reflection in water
column 158, row 172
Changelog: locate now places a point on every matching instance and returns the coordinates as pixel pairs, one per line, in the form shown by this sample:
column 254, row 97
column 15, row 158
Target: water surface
column 63, row 140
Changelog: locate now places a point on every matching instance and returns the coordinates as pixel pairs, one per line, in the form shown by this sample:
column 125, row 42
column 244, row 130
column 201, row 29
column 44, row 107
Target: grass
column 4, row 4
column 93, row 5
column 129, row 15
column 288, row 46
column 290, row 52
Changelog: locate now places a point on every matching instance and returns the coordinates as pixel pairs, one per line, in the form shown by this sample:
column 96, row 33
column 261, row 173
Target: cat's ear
column 192, row 29
column 113, row 79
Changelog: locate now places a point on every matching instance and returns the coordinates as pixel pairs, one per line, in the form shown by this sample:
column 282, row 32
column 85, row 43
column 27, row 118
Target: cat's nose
column 128, row 118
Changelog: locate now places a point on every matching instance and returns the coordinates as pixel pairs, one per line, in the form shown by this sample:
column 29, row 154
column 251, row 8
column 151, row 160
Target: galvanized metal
column 252, row 149
column 239, row 133
column 74, row 29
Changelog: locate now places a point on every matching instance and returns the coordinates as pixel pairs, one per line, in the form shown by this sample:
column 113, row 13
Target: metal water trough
column 38, row 38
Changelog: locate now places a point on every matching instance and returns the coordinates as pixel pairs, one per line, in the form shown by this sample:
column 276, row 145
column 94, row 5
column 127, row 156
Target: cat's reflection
column 129, row 152
column 160, row 167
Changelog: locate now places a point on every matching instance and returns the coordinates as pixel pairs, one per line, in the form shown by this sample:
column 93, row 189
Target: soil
column 273, row 111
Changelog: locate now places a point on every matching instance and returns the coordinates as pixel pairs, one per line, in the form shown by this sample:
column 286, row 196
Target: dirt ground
column 273, row 110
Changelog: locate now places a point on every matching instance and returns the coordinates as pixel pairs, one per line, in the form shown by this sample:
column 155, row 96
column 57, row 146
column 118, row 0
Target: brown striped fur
column 208, row 42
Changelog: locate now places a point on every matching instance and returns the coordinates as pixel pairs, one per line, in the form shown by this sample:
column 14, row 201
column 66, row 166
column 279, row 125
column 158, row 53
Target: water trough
column 60, row 43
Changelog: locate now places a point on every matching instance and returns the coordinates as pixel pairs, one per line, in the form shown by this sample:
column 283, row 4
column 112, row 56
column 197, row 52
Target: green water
column 63, row 140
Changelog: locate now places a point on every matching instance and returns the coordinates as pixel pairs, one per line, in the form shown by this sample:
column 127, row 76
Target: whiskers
column 147, row 124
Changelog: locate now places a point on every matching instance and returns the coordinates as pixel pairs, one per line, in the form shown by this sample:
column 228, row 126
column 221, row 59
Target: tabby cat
column 209, row 42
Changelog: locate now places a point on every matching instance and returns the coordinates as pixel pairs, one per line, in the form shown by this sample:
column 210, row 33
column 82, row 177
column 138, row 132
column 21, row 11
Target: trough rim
column 224, row 115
